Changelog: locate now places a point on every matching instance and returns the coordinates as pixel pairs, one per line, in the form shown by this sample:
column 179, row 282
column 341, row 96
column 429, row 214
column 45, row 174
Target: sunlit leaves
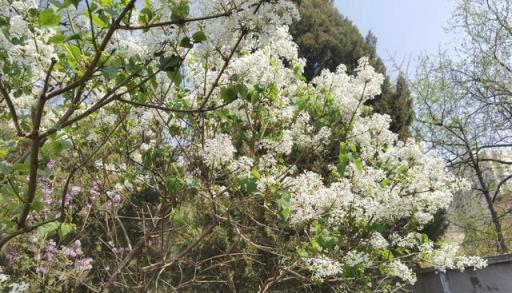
column 48, row 17
column 180, row 10
column 233, row 92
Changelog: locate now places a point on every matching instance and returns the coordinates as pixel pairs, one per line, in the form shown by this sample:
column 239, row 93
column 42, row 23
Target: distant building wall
column 496, row 278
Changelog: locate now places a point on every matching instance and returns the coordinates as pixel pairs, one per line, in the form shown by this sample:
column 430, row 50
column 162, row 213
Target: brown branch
column 226, row 63
column 12, row 110
column 36, row 145
column 92, row 66
column 174, row 22
column 166, row 109
column 185, row 251
column 24, row 230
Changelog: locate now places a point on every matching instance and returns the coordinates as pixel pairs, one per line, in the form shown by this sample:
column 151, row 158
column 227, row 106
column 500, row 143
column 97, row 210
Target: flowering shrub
column 174, row 145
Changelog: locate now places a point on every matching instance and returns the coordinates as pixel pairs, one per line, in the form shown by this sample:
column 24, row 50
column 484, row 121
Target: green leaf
column 386, row 255
column 175, row 76
column 301, row 251
column 145, row 16
column 3, row 152
column 247, row 184
column 180, row 11
column 232, row 92
column 37, row 206
column 186, row 43
column 58, row 38
column 4, row 21
column 65, row 229
column 73, row 37
column 358, row 163
column 75, row 2
column 49, row 229
column 54, row 147
column 315, row 246
column 174, row 185
column 106, row 3
column 59, row 5
column 74, row 51
column 110, row 73
column 198, row 37
column 97, row 21
column 228, row 94
column 283, row 205
column 170, row 63
column 385, row 182
column 21, row 167
column 48, row 18
column 4, row 168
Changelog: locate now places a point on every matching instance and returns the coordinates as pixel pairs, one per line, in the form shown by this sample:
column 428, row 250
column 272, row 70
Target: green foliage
column 47, row 17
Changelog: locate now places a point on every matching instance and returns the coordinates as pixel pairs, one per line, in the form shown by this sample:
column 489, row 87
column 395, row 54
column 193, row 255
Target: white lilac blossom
column 311, row 199
column 398, row 269
column 20, row 287
column 350, row 93
column 323, row 267
column 378, row 241
column 242, row 165
column 354, row 258
column 3, row 278
column 218, row 150
column 446, row 258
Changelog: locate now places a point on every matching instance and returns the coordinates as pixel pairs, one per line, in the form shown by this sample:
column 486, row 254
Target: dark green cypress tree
column 402, row 113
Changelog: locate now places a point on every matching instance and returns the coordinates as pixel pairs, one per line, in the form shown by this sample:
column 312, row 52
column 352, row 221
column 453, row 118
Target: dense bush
column 176, row 146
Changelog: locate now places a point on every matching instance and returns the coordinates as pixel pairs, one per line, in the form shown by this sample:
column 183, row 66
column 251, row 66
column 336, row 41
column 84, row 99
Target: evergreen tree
column 401, row 111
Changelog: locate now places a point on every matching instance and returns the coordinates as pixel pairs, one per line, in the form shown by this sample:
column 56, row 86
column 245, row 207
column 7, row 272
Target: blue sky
column 405, row 28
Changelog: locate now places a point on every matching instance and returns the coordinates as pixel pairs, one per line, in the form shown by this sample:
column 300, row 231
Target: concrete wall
column 496, row 278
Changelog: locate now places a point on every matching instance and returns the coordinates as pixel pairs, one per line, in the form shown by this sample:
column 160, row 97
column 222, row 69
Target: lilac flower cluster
column 75, row 190
column 93, row 193
column 83, row 264
column 73, row 252
column 12, row 255
column 51, row 249
column 114, row 201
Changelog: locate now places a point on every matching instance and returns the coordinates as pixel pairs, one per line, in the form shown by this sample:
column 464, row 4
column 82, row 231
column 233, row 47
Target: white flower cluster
column 3, row 278
column 20, row 287
column 323, row 267
column 398, row 269
column 218, row 150
column 301, row 133
column 446, row 258
column 15, row 287
column 350, row 92
column 354, row 258
column 242, row 166
column 378, row 241
column 312, row 199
